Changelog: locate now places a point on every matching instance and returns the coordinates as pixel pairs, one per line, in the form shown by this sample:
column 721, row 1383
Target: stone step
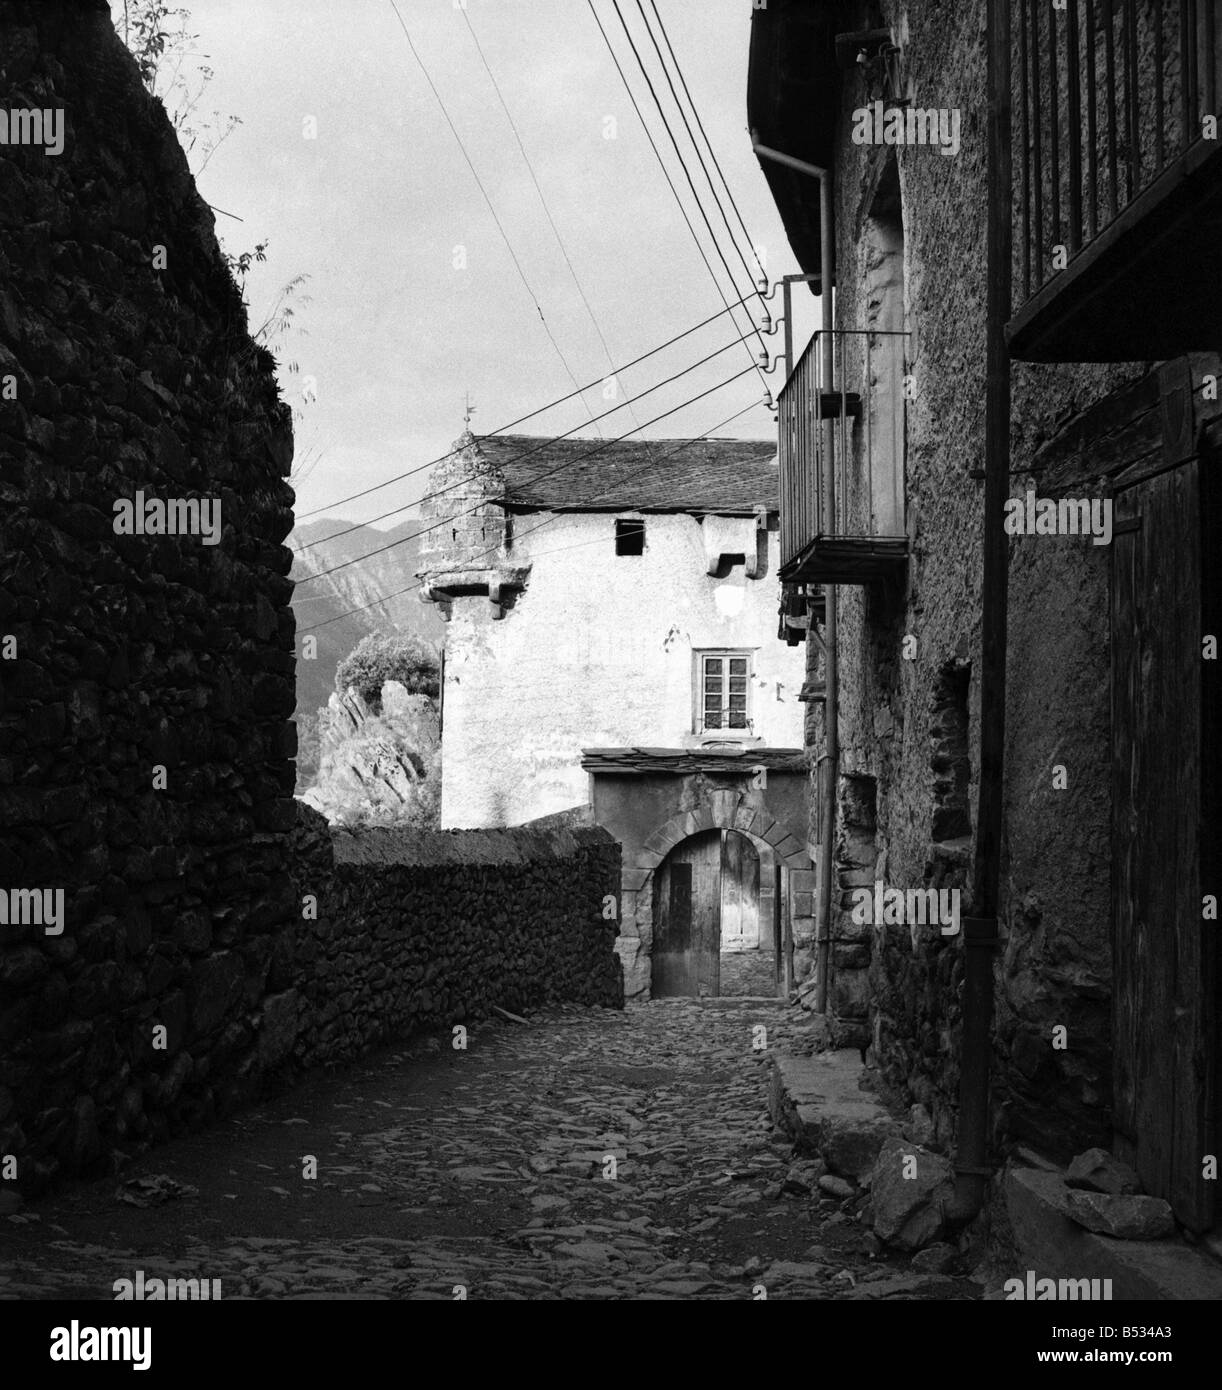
column 818, row 1101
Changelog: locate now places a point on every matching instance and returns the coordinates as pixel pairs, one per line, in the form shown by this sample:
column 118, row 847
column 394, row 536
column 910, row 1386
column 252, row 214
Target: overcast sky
column 373, row 209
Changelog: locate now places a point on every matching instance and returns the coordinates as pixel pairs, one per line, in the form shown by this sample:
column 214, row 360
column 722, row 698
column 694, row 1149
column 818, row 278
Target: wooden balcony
column 849, row 560
column 1118, row 187
column 854, row 532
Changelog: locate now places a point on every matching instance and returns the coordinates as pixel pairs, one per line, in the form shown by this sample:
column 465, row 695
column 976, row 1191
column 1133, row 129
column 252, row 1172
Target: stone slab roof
column 689, row 760
column 656, row 475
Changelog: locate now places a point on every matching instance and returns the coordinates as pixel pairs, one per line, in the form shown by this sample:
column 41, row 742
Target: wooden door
column 1164, row 1004
column 672, row 931
column 740, row 893
column 687, row 919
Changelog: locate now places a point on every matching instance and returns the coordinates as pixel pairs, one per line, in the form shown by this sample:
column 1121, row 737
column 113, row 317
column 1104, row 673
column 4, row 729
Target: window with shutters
column 723, row 692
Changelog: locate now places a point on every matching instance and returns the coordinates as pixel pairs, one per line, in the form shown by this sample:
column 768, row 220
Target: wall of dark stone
column 147, row 685
column 130, row 653
column 421, row 930
column 904, row 721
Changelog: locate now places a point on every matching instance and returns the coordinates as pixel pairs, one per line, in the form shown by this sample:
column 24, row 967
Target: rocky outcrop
column 338, row 603
column 379, row 765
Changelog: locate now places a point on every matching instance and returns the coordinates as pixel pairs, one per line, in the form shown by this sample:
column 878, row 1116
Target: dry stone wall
column 428, row 929
column 155, row 966
column 146, row 680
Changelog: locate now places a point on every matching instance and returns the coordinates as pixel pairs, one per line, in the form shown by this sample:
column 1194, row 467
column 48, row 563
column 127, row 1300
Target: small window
column 629, row 537
column 722, row 697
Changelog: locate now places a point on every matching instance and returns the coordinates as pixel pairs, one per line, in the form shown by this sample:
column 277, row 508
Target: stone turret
column 464, row 553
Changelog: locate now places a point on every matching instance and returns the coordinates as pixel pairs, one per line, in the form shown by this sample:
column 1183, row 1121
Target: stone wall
column 651, row 813
column 391, row 933
column 146, row 681
column 752, row 972
column 158, row 964
column 422, row 930
column 903, row 720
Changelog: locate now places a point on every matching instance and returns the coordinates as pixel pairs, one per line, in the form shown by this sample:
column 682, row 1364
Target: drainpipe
column 981, row 936
column 831, row 708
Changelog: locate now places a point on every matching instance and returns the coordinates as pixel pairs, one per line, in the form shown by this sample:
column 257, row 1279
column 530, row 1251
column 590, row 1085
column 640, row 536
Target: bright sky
column 373, row 209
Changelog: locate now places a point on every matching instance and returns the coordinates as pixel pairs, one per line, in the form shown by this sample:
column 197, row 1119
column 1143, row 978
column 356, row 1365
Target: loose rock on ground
column 593, row 1155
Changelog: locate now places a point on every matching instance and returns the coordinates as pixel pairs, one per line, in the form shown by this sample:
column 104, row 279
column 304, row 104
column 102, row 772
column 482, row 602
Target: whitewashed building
column 611, row 657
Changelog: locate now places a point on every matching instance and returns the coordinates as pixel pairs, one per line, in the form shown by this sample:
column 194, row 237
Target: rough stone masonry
column 145, row 742
column 147, row 680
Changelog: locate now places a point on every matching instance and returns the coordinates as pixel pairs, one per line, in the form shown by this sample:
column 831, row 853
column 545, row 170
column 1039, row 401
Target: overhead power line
column 700, row 124
column 551, row 221
column 480, row 185
column 543, row 444
column 530, row 415
column 666, row 172
column 547, row 212
column 530, row 530
column 598, row 448
column 657, row 101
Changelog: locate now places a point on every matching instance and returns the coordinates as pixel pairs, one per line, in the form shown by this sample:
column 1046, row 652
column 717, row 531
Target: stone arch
column 724, row 811
column 756, row 825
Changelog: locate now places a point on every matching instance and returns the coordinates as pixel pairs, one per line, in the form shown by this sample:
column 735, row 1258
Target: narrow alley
column 485, row 1173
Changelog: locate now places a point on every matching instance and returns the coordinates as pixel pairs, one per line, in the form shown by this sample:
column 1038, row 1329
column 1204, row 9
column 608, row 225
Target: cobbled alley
column 487, row 1173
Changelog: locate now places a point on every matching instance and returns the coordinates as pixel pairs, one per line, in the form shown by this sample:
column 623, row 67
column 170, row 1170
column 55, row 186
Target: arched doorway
column 709, row 938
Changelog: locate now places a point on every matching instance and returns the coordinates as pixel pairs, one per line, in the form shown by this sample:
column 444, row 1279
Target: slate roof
column 657, row 475
column 689, row 760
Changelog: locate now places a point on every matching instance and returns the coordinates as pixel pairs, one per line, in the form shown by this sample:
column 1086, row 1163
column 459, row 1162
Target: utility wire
column 687, row 443
column 543, row 444
column 480, row 185
column 543, row 202
column 751, row 275
column 657, row 101
column 521, row 420
column 411, row 588
column 707, row 141
column 569, row 463
column 551, row 221
column 666, row 175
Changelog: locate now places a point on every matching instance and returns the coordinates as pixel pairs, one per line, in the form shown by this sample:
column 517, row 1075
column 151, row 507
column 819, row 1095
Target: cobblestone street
column 489, row 1169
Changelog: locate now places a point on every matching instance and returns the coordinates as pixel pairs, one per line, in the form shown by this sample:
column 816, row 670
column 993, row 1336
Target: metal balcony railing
column 857, row 533
column 1107, row 94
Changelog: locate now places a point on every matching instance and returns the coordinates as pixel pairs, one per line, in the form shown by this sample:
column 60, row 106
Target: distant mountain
column 353, row 588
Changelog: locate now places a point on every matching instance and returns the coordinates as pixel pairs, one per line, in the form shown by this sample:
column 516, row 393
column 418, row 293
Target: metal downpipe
column 980, row 930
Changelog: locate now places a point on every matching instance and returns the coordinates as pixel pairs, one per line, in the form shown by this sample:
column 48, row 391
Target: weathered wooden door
column 672, row 931
column 687, row 919
column 740, row 893
column 1165, row 985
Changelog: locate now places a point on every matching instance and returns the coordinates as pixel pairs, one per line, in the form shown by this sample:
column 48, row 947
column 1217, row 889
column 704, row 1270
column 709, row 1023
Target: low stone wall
column 422, row 930
column 390, row 933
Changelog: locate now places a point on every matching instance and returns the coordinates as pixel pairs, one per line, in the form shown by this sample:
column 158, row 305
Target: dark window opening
column 949, row 757
column 629, row 537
